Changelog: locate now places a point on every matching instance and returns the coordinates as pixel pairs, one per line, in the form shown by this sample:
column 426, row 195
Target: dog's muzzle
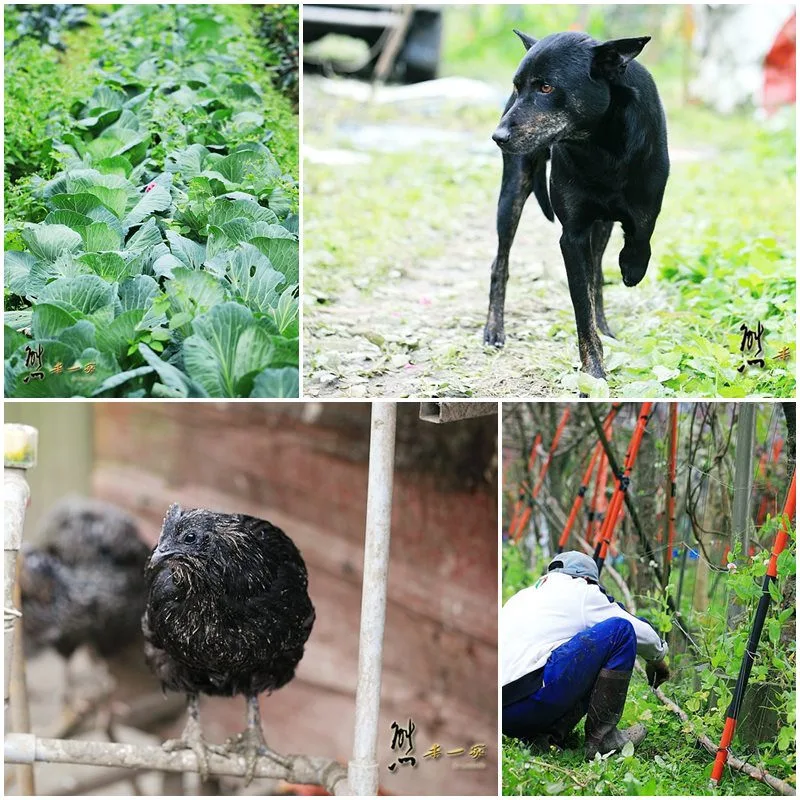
column 501, row 136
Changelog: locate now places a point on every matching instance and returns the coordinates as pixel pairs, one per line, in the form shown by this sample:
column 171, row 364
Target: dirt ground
column 399, row 319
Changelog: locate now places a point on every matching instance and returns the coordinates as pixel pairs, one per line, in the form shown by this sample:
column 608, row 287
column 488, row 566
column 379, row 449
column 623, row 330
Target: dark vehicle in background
column 418, row 55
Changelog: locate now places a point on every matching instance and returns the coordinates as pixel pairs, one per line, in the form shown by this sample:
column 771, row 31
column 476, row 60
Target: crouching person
column 567, row 651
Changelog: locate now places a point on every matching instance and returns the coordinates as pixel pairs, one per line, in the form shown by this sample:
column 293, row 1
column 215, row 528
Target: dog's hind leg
column 576, row 247
column 516, row 186
column 601, row 232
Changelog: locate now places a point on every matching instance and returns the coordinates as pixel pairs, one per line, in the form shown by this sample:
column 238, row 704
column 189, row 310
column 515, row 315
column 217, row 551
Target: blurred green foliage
column 479, row 41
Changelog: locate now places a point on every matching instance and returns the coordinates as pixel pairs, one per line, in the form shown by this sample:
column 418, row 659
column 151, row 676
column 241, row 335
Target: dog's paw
column 494, row 335
column 633, row 262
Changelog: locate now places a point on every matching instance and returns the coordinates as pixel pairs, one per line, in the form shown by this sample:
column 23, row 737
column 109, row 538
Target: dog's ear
column 610, row 58
column 528, row 41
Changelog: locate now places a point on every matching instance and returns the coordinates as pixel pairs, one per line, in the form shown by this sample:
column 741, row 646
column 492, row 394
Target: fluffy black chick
column 228, row 613
column 83, row 582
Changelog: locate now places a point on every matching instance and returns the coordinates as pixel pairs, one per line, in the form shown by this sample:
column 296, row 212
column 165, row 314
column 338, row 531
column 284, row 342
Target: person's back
column 567, row 649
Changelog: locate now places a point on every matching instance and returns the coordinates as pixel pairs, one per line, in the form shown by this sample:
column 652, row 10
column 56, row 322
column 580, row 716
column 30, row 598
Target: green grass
column 668, row 761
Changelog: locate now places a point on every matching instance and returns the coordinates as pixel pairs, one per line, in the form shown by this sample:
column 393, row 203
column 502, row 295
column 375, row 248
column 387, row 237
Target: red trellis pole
column 522, row 521
column 515, row 516
column 755, row 635
column 599, row 505
column 672, row 468
column 587, row 476
column 612, row 514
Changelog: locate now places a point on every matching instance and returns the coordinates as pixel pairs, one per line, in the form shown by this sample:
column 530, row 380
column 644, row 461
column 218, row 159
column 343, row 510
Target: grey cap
column 576, row 564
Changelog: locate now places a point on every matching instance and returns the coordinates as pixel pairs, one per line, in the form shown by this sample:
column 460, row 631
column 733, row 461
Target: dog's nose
column 501, row 135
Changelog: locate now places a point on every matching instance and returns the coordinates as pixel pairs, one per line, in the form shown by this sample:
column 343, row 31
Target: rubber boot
column 605, row 711
column 561, row 728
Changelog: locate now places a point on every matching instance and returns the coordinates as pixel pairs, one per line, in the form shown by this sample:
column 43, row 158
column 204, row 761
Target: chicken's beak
column 158, row 555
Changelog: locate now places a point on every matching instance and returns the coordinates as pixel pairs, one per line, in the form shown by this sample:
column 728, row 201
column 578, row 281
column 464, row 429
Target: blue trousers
column 569, row 677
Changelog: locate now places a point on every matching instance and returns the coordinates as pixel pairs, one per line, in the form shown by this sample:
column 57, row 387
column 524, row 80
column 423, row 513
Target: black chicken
column 228, row 613
column 83, row 583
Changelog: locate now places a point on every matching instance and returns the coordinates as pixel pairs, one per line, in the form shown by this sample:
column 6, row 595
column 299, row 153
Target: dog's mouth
column 529, row 137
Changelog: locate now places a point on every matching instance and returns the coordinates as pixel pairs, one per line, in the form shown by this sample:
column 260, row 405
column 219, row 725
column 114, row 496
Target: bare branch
column 780, row 786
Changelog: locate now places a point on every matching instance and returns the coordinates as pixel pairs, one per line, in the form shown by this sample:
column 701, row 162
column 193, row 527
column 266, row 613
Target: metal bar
column 25, row 748
column 19, row 455
column 452, row 412
column 755, row 635
column 372, row 18
column 19, row 706
column 362, row 771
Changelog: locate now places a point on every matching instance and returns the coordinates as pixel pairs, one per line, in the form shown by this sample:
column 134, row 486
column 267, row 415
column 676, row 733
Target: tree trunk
column 742, row 493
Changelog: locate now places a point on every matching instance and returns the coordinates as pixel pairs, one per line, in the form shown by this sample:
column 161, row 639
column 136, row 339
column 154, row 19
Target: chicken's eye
column 190, row 538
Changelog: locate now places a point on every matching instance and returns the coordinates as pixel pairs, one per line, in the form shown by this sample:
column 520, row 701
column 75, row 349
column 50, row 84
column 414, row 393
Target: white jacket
column 537, row 620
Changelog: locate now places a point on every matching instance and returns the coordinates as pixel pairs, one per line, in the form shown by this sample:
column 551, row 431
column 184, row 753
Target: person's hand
column 657, row 672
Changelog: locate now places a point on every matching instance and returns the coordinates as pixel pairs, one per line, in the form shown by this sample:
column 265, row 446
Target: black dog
column 596, row 113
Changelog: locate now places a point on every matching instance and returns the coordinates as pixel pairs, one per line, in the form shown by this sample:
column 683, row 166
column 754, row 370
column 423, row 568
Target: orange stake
column 609, row 523
column 599, row 505
column 587, row 476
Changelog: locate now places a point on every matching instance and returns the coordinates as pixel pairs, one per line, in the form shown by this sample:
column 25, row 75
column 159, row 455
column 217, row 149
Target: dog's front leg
column 635, row 255
column 514, row 191
column 576, row 247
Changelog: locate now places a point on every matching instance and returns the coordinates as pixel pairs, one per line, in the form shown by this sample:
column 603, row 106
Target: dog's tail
column 540, row 183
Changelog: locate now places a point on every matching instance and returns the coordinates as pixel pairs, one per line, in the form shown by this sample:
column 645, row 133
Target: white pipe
column 362, row 771
column 19, row 454
column 25, row 748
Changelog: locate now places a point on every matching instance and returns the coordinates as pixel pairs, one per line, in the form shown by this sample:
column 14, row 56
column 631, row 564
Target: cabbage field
column 151, row 203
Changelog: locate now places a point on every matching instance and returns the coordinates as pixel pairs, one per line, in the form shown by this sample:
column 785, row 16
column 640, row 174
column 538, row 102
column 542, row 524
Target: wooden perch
column 22, row 748
column 780, row 786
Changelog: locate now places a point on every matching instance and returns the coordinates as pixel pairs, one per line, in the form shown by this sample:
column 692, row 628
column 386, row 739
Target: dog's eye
column 545, row 88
